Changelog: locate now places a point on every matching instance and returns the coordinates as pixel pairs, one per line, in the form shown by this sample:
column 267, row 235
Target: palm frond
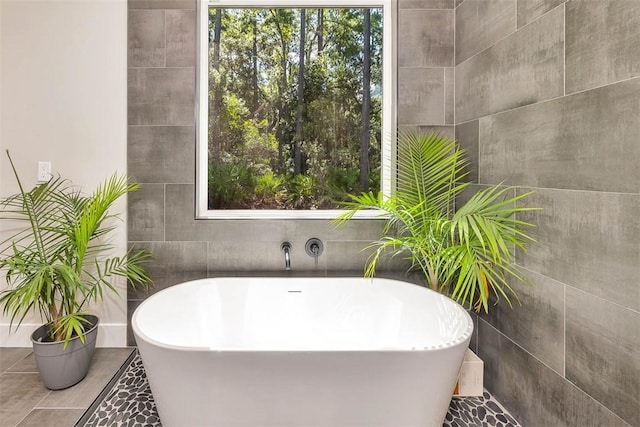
column 468, row 253
column 57, row 261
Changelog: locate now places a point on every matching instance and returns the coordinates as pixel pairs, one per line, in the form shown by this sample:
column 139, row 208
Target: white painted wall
column 63, row 98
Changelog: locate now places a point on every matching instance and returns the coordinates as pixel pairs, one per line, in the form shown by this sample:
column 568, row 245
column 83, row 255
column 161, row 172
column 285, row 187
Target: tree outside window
column 294, row 106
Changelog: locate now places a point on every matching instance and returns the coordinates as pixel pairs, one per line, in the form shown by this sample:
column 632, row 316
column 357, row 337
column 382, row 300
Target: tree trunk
column 254, row 61
column 280, row 106
column 320, row 31
column 366, row 101
column 297, row 157
column 214, row 118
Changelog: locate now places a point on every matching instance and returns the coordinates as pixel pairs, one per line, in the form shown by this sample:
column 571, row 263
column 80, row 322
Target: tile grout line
column 55, row 408
column 18, row 361
column 602, row 299
column 509, row 35
column 523, row 349
column 164, row 13
column 444, row 95
column 564, row 379
column 555, row 98
column 577, row 190
column 164, row 211
column 35, row 407
column 564, row 49
column 564, row 334
column 620, row 306
column 110, row 384
column 455, row 27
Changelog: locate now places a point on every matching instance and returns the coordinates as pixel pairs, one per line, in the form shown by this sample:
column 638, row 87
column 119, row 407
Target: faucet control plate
column 314, row 248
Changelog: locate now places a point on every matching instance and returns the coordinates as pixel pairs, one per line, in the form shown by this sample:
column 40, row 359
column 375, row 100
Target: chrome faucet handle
column 314, row 248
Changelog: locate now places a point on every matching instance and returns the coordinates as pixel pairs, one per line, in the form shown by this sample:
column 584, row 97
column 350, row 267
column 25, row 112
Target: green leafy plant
column 56, row 260
column 300, row 192
column 467, row 252
column 269, row 185
column 230, row 185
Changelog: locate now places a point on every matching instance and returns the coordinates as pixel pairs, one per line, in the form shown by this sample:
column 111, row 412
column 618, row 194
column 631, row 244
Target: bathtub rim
column 464, row 337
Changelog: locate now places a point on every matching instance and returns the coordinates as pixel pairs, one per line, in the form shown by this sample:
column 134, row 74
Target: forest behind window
column 294, row 106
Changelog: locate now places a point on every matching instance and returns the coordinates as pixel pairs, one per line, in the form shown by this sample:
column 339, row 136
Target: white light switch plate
column 44, row 171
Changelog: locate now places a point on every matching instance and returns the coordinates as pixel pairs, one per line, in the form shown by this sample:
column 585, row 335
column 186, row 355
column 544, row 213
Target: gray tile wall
column 603, row 43
column 426, row 60
column 547, row 98
column 495, row 79
column 161, row 152
column 481, row 23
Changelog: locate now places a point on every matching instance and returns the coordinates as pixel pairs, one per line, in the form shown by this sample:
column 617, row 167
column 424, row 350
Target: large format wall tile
column 536, row 320
column 603, row 42
column 529, row 10
column 145, row 219
column 162, row 4
column 522, row 69
column 240, row 244
column 603, row 352
column 467, row 137
column 161, row 96
column 584, row 141
column 425, row 38
column 354, row 256
column 481, row 23
column 473, row 344
column 132, row 304
column 449, row 95
column 588, row 240
column 181, row 225
column 161, row 154
column 181, row 38
column 535, row 394
column 426, row 4
column 252, row 256
column 421, row 96
column 176, row 258
column 173, row 262
column 448, row 131
column 146, row 36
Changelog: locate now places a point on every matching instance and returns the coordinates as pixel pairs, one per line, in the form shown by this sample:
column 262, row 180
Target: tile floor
column 117, row 392
column 25, row 402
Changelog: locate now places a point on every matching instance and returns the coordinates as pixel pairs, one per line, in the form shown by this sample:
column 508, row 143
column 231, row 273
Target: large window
column 295, row 106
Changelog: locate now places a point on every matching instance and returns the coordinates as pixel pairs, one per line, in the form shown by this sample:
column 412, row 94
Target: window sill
column 225, row 214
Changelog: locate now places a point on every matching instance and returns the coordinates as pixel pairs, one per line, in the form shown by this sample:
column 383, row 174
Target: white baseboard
column 109, row 335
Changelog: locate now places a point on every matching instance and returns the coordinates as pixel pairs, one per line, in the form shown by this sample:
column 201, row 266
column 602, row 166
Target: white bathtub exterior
column 325, row 352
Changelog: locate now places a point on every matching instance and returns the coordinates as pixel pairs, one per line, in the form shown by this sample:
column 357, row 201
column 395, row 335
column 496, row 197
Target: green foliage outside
column 467, row 252
column 256, row 117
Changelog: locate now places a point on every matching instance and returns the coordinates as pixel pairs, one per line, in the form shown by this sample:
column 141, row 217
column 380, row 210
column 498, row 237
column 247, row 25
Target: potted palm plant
column 464, row 250
column 57, row 260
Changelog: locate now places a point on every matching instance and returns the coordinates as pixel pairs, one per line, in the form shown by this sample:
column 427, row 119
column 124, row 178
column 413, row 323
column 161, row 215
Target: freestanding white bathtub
column 322, row 352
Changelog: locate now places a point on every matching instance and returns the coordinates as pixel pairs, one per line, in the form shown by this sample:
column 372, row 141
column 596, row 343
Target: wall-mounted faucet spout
column 286, row 248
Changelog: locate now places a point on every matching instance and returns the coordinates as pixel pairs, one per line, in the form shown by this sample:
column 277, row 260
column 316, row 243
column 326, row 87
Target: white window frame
column 388, row 137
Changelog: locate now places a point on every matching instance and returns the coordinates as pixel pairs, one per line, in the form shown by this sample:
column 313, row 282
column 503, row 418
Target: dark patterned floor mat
column 130, row 403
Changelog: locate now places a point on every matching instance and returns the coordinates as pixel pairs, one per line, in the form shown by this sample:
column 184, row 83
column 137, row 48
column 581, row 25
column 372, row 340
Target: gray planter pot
column 61, row 368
